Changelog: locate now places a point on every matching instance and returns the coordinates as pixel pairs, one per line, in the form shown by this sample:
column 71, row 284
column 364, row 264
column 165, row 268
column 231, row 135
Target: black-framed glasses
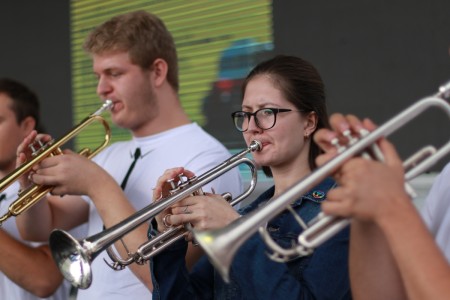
column 265, row 118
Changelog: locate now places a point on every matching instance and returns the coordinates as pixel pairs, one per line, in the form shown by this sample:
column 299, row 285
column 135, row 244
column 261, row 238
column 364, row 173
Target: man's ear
column 160, row 69
column 28, row 124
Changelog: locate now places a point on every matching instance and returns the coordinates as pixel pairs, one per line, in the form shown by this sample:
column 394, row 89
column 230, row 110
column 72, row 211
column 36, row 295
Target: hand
column 367, row 189
column 68, row 173
column 24, row 154
column 209, row 211
column 163, row 189
column 341, row 125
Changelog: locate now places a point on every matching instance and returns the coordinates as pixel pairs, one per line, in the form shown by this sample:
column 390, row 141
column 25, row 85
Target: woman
column 283, row 105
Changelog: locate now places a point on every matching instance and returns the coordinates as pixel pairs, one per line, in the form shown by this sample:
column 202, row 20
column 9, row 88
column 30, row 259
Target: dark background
column 35, row 49
column 376, row 57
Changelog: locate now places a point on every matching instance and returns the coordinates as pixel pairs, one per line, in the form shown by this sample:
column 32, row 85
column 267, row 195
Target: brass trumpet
column 74, row 257
column 34, row 193
column 221, row 245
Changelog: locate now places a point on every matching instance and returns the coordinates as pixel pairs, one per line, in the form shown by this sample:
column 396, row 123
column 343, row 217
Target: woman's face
column 284, row 143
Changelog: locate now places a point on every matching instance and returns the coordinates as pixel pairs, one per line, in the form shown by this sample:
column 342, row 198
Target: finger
column 186, row 209
column 169, row 174
column 43, row 179
column 324, row 137
column 157, row 193
column 43, row 137
column 189, row 237
column 21, row 158
column 26, row 141
column 339, row 123
column 179, row 219
column 369, row 125
column 323, row 158
column 391, row 157
column 68, row 152
column 189, row 201
column 48, row 162
column 355, row 124
column 336, row 209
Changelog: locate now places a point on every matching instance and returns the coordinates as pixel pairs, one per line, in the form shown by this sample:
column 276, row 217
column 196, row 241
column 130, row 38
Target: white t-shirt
column 436, row 210
column 187, row 146
column 8, row 289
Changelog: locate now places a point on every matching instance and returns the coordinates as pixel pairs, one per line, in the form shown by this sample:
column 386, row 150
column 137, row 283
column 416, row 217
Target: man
column 392, row 253
column 27, row 270
column 135, row 61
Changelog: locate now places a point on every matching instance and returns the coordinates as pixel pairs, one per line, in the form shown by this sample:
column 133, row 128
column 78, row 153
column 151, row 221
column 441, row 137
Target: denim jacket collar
column 316, row 194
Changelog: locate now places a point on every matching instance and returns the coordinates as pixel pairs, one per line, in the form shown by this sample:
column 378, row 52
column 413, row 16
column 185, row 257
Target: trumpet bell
column 72, row 259
column 219, row 251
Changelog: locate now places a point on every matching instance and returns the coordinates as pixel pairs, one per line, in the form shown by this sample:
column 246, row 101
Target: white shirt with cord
column 187, row 146
column 436, row 211
column 8, row 289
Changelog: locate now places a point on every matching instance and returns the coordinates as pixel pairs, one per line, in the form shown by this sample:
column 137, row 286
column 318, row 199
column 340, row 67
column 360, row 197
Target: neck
column 170, row 115
column 284, row 176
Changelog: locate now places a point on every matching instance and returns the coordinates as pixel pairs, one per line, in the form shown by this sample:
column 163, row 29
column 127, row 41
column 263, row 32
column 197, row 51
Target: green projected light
column 218, row 42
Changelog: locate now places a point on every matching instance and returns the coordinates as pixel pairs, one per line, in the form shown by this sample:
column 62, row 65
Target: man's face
column 11, row 134
column 129, row 87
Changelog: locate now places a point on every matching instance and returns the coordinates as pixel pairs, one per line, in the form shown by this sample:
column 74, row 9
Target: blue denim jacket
column 322, row 275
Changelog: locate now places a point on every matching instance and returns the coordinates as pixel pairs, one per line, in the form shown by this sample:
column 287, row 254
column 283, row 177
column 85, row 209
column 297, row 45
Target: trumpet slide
column 221, row 245
column 74, row 257
column 31, row 195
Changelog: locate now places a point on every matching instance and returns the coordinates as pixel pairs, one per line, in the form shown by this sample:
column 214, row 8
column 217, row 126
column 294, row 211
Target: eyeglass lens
column 264, row 118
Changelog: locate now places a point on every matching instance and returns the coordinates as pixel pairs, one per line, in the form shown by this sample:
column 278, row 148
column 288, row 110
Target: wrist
column 393, row 215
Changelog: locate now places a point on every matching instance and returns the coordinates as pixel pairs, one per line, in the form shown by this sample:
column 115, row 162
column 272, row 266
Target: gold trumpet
column 221, row 244
column 74, row 257
column 31, row 195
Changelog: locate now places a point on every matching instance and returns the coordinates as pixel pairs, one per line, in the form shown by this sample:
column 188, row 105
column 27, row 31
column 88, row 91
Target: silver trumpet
column 221, row 244
column 74, row 257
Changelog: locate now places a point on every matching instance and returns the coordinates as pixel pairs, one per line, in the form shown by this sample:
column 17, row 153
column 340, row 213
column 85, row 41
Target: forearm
column 424, row 270
column 373, row 270
column 113, row 207
column 31, row 268
column 35, row 224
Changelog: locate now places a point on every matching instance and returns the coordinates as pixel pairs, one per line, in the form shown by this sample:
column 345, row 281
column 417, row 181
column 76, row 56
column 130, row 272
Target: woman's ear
column 310, row 124
column 159, row 69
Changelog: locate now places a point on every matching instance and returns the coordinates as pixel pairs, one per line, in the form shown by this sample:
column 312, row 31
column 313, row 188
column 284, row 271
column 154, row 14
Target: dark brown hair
column 25, row 103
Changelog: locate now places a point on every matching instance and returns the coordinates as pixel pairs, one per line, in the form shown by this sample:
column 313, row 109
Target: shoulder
column 198, row 143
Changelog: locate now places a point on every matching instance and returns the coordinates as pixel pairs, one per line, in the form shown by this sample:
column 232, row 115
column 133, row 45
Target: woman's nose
column 252, row 125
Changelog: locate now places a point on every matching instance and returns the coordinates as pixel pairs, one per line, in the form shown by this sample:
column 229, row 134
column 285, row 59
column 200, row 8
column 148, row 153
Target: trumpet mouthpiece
column 444, row 90
column 255, row 145
column 107, row 105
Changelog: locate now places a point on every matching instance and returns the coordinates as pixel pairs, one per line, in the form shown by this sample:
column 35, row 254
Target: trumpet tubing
column 221, row 245
column 34, row 193
column 74, row 257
